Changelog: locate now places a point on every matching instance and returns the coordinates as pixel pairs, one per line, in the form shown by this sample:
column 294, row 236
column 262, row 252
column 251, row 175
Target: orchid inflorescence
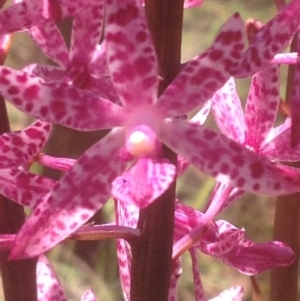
column 115, row 86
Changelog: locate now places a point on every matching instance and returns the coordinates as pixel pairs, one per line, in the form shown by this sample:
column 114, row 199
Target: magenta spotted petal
column 58, row 102
column 73, row 200
column 131, row 55
column 228, row 161
column 24, row 188
column 18, row 148
column 144, row 182
column 206, row 73
column 270, row 40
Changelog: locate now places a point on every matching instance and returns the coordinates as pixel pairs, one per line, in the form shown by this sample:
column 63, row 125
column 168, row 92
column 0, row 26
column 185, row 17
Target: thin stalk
column 284, row 280
column 152, row 253
column 18, row 277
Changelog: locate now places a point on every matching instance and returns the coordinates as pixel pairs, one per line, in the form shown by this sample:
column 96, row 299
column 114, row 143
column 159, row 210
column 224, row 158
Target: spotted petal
column 77, row 196
column 48, row 285
column 51, row 42
column 144, row 182
column 57, row 102
column 18, row 148
column 262, row 105
column 89, row 19
column 228, row 112
column 258, row 258
column 227, row 161
column 131, row 56
column 270, row 40
column 24, row 188
column 206, row 73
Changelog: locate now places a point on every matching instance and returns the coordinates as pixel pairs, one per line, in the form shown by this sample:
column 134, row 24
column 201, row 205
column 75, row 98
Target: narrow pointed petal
column 131, row 55
column 270, row 40
column 227, row 161
column 49, row 287
column 234, row 293
column 144, row 182
column 51, row 42
column 24, row 188
column 198, row 288
column 126, row 216
column 206, row 73
column 259, row 257
column 98, row 65
column 17, row 148
column 58, row 102
column 88, row 296
column 88, row 20
column 228, row 112
column 74, row 199
column 262, row 106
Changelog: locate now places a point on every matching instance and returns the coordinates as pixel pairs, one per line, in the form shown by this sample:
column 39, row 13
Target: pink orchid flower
column 254, row 128
column 143, row 122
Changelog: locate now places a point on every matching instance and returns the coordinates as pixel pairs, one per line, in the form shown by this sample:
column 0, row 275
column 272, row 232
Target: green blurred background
column 93, row 265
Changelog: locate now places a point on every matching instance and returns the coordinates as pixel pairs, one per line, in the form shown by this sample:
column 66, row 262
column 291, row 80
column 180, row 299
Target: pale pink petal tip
column 234, row 293
column 88, row 296
column 48, row 285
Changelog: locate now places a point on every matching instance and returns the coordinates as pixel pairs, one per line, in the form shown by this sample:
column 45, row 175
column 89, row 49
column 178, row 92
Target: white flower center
column 140, row 144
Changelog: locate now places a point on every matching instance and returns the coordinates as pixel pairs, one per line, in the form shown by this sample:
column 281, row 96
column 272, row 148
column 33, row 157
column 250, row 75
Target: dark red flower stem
column 284, row 280
column 18, row 277
column 152, row 253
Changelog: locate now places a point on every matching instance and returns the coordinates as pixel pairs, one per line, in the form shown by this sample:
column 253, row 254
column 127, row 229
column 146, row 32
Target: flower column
column 152, row 265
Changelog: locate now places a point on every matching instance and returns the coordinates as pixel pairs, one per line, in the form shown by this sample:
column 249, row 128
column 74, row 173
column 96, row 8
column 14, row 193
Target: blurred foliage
column 254, row 213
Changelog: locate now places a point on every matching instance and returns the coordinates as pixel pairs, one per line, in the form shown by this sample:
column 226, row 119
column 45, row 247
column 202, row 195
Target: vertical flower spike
column 270, row 40
column 17, row 148
column 130, row 53
column 206, row 73
column 48, row 284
